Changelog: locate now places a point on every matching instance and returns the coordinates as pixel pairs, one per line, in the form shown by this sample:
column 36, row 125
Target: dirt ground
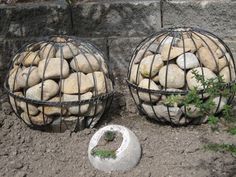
column 167, row 151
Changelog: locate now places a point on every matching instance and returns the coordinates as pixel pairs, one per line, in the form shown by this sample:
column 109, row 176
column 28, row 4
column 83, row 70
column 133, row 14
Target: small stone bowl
column 127, row 155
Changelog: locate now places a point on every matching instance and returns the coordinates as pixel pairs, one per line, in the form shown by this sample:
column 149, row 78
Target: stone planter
column 127, row 155
column 61, row 81
column 164, row 65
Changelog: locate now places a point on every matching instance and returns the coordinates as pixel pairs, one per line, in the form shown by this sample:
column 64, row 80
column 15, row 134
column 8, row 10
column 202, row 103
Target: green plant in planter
column 109, row 136
column 104, row 154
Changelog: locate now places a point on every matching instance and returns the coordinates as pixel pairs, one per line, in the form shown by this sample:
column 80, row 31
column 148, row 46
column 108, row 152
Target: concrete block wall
column 116, row 26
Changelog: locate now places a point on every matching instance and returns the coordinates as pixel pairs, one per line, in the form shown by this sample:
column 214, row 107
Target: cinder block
column 217, row 16
column 117, row 18
column 34, row 19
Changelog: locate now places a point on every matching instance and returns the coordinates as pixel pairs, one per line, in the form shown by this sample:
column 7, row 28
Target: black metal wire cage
column 59, row 83
column 162, row 65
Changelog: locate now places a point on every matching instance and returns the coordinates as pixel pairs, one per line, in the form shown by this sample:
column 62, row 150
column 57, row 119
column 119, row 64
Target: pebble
column 150, row 65
column 76, row 83
column 175, row 52
column 67, row 51
column 28, row 77
column 135, row 75
column 47, row 50
column 144, row 95
column 207, row 58
column 50, row 89
column 80, row 109
column 187, row 61
column 174, row 78
column 85, row 63
column 191, row 80
column 53, row 68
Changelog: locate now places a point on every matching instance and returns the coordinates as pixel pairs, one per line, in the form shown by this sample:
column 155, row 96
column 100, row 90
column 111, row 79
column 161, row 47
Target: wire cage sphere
column 59, row 83
column 163, row 65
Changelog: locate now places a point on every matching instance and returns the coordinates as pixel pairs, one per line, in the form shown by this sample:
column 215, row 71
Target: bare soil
column 166, row 151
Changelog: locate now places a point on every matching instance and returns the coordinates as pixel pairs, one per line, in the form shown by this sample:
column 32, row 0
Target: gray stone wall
column 116, row 26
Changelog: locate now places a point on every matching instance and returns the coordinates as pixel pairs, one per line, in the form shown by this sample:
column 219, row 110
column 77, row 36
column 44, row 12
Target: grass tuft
column 232, row 131
column 221, row 148
column 104, row 154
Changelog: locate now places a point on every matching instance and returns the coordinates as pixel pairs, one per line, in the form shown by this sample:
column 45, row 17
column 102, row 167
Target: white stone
column 52, row 68
column 28, row 77
column 167, row 40
column 67, row 51
column 219, row 104
column 169, row 52
column 154, row 47
column 33, row 110
column 80, row 109
column 174, row 78
column 100, row 82
column 47, row 50
column 85, row 63
column 36, row 120
column 15, row 103
column 53, row 110
column 127, row 155
column 140, row 55
column 171, row 114
column 49, row 90
column 222, row 62
column 135, row 76
column 76, row 83
column 156, row 78
column 29, row 58
column 207, row 41
column 226, row 76
column 193, row 82
column 208, row 58
column 150, row 65
column 95, row 109
column 190, row 43
column 187, row 61
column 145, row 95
column 12, row 79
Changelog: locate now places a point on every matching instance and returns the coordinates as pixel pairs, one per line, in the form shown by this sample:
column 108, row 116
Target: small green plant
column 232, row 131
column 213, row 87
column 104, row 153
column 109, row 135
column 221, row 148
column 173, row 100
column 213, row 122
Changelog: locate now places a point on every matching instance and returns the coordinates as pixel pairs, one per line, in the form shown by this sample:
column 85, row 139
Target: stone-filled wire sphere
column 163, row 65
column 59, row 83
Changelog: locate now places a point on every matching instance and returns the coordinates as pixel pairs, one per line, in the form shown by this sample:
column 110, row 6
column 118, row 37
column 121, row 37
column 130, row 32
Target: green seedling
column 109, row 135
column 221, row 148
column 213, row 87
column 232, row 131
column 104, row 154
